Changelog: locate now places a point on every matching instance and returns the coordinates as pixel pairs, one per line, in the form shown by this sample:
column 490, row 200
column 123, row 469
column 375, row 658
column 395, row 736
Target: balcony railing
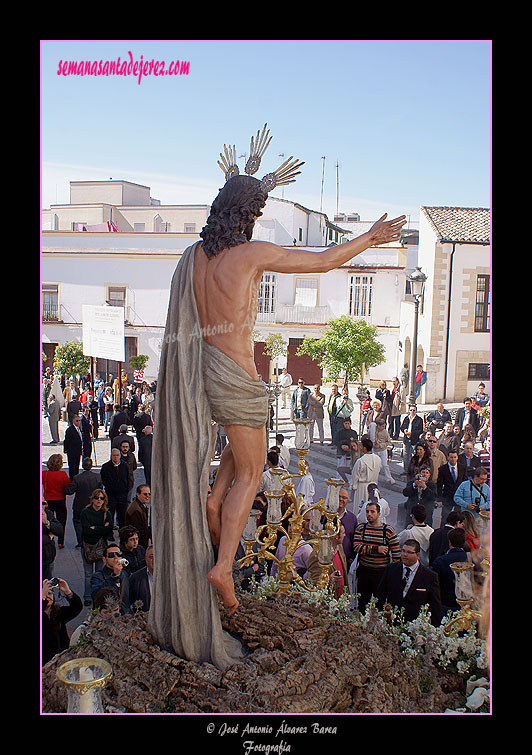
column 298, row 314
column 50, row 313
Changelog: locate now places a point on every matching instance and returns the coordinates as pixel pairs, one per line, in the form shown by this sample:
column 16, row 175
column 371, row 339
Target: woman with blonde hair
column 375, row 412
column 472, row 533
column 54, row 483
column 96, row 529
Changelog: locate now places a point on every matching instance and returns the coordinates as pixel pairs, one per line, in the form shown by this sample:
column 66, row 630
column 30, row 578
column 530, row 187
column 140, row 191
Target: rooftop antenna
column 337, row 184
column 322, row 179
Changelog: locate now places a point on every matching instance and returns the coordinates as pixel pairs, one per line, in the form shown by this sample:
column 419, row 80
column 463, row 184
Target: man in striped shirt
column 374, row 543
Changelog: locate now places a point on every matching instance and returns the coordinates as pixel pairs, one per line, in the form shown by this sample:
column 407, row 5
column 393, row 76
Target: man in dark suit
column 439, row 540
column 140, row 421
column 119, row 418
column 300, row 399
column 115, row 479
column 466, row 415
column 86, row 431
column 72, row 408
column 450, row 476
column 411, row 427
column 141, row 582
column 442, row 567
column 468, row 460
column 82, row 486
column 138, row 513
column 408, row 584
column 73, row 446
column 145, row 444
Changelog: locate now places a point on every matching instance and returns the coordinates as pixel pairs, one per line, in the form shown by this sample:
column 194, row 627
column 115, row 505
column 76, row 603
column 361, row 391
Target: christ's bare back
column 226, row 289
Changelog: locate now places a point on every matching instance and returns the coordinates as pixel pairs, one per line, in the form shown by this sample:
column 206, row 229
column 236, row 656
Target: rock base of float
column 300, row 661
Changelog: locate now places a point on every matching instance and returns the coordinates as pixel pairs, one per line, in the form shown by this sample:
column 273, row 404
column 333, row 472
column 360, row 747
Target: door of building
column 262, row 361
column 302, row 366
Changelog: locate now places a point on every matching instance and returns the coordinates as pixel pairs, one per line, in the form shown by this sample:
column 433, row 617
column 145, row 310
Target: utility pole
column 337, row 185
column 322, row 180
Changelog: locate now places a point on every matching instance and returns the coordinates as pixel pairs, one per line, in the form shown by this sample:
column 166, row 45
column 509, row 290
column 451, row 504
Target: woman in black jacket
column 96, row 524
column 55, row 637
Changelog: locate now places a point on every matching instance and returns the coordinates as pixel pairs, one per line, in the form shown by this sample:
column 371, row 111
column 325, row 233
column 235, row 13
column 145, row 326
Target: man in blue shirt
column 474, row 494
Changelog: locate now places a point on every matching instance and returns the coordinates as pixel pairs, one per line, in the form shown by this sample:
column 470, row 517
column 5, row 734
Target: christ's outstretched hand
column 382, row 232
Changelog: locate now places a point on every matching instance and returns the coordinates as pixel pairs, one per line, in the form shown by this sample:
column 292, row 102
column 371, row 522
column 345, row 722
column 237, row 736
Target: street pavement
column 322, row 465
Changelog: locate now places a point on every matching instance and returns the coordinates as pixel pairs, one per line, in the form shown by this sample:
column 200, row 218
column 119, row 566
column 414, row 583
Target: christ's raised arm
column 277, row 259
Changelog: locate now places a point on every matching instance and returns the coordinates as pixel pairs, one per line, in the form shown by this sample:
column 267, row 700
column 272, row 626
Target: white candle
column 274, row 514
column 85, row 700
column 325, row 552
column 251, row 525
column 315, row 523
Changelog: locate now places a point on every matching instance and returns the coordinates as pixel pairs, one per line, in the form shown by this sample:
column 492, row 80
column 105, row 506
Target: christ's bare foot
column 223, row 582
column 214, row 519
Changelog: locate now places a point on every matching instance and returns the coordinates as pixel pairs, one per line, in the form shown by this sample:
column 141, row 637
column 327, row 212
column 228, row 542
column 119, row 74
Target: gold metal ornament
column 285, row 173
column 228, row 162
column 266, row 535
column 256, row 150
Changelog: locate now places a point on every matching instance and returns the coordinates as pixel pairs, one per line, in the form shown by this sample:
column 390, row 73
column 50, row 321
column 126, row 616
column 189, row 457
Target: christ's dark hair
column 233, row 214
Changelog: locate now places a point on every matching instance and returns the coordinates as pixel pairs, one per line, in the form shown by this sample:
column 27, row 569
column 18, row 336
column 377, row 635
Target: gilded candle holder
column 84, row 679
column 464, row 597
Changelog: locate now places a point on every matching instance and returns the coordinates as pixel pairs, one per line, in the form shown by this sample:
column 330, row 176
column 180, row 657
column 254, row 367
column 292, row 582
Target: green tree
column 275, row 346
column 69, row 359
column 347, row 344
column 138, row 362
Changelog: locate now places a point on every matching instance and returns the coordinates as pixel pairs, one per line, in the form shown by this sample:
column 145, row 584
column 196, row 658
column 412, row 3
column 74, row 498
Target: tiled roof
column 463, row 225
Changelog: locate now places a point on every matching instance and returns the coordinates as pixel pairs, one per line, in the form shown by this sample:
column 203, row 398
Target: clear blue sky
column 409, row 122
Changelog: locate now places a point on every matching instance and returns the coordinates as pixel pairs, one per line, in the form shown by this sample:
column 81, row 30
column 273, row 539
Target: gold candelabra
column 321, row 542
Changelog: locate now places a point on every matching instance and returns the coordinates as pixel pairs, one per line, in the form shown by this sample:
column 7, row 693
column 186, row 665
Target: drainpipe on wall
column 448, row 320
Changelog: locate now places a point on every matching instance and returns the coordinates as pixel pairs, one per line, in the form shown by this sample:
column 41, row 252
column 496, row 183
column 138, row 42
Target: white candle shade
column 315, row 521
column 462, row 580
column 84, row 679
column 251, row 525
column 274, row 514
column 332, row 498
column 325, row 551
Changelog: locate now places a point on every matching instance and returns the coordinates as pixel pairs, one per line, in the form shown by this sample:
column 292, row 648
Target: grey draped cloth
column 196, row 382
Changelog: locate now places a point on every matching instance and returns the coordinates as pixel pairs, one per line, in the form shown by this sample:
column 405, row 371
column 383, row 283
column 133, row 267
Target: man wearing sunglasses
column 437, row 456
column 113, row 575
column 300, row 399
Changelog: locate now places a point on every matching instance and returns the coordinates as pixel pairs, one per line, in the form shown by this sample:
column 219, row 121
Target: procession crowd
column 446, row 466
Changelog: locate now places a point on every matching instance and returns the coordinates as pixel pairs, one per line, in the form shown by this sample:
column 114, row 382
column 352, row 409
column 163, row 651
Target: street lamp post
column 417, row 286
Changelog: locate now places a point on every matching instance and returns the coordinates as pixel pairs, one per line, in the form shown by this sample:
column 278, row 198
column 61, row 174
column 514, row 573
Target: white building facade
column 454, row 319
column 134, row 268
